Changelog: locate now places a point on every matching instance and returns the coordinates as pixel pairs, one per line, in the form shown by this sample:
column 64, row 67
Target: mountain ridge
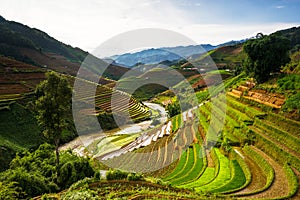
column 158, row 55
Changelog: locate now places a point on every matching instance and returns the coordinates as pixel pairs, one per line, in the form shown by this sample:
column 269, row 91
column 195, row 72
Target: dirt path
column 210, row 162
column 258, row 180
column 279, row 186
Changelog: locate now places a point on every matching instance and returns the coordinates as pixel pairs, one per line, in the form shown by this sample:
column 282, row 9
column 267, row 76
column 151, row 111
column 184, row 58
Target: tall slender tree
column 53, row 107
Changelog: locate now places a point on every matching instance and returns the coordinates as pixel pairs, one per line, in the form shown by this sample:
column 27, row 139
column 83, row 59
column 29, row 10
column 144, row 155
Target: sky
column 88, row 23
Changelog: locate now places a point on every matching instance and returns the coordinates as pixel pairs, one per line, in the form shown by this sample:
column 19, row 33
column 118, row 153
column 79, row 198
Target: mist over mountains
column 158, row 55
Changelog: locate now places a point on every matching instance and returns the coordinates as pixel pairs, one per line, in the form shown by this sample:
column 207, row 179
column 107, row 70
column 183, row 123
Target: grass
column 264, row 165
column 19, row 128
column 123, row 189
column 292, row 181
column 249, row 110
column 290, row 126
column 188, row 166
column 208, row 175
column 237, row 179
column 179, row 166
column 276, row 151
column 176, row 123
column 10, row 96
column 195, row 171
column 281, row 136
column 223, row 176
column 19, row 132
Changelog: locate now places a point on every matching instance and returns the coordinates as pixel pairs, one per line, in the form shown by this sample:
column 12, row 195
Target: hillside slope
column 36, row 47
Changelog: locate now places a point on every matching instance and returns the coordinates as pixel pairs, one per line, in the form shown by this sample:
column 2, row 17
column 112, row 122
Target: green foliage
column 287, row 125
column 276, row 151
column 248, row 110
column 220, row 88
column 35, row 173
column 236, row 181
column 81, row 194
column 54, row 107
column 289, row 82
column 190, row 174
column 134, row 177
column 19, row 131
column 208, row 175
column 223, row 175
column 179, row 166
column 10, row 191
column 292, row 103
column 116, row 175
column 72, row 169
column 281, row 136
column 241, row 175
column 122, row 175
column 173, row 109
column 182, row 168
column 202, row 95
column 266, row 54
column 148, row 91
column 292, row 181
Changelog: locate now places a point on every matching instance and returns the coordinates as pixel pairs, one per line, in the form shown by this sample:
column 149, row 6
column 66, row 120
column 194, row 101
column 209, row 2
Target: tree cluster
column 34, row 173
column 266, row 54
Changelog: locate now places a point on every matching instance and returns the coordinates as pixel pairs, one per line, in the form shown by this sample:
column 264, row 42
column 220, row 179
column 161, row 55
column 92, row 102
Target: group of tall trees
column 266, row 54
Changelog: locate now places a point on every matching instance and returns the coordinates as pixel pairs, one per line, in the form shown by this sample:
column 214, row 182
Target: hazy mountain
column 154, row 56
column 158, row 55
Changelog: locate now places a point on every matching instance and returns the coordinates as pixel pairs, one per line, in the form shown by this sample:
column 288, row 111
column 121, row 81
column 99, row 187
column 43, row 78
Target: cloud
column 279, row 7
column 220, row 33
column 87, row 24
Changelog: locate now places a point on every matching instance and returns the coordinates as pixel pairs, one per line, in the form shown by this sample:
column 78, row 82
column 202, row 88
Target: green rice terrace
column 236, row 137
column 256, row 156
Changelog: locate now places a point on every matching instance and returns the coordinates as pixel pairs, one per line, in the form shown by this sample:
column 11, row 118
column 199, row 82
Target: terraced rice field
column 256, row 155
column 108, row 100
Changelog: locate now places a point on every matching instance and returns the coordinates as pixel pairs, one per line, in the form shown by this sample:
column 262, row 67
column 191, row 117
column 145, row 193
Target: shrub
column 289, row 82
column 35, row 172
column 84, row 194
column 116, row 175
column 74, row 168
column 10, row 191
column 97, row 175
column 134, row 177
column 173, row 109
column 292, row 103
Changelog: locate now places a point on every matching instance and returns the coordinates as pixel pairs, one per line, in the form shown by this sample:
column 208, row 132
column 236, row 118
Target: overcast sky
column 88, row 23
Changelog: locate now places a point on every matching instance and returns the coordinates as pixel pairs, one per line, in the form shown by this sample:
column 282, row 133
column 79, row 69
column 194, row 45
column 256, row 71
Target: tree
column 173, row 109
column 54, row 106
column 266, row 54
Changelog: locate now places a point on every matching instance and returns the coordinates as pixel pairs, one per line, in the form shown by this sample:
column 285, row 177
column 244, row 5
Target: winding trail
column 279, row 187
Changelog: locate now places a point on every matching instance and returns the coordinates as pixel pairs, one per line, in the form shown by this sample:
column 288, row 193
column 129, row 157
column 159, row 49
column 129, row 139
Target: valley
column 156, row 129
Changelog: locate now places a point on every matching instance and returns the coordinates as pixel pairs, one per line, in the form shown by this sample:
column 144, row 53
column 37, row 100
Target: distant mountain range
column 158, row 55
column 36, row 47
